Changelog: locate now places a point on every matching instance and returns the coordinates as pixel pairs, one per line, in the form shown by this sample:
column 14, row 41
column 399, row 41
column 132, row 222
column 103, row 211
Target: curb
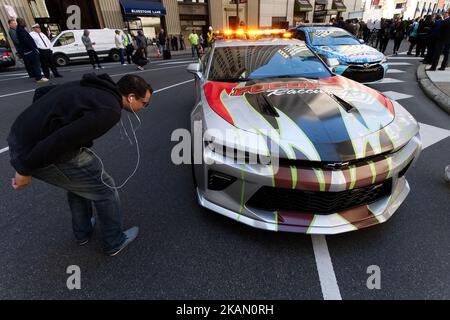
column 431, row 90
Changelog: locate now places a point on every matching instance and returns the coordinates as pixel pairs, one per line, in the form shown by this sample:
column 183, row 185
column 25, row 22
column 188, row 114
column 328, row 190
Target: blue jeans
column 81, row 178
column 32, row 59
column 122, row 55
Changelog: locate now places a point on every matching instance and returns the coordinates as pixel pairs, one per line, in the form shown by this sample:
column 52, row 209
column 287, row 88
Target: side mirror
column 361, row 41
column 195, row 69
column 332, row 62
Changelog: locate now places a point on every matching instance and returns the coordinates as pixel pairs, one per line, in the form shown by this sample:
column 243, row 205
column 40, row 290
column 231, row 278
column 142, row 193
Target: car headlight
column 342, row 63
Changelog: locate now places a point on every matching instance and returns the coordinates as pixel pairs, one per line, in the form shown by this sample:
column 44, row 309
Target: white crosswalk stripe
column 396, row 95
column 399, row 64
column 389, row 80
column 395, row 71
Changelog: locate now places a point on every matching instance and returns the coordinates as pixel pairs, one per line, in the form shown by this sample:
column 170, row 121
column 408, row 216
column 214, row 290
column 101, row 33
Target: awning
column 143, row 8
column 339, row 6
column 322, row 2
column 303, row 5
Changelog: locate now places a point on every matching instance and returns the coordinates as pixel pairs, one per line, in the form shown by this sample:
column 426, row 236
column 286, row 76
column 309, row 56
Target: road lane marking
column 174, row 85
column 431, row 134
column 395, row 71
column 399, row 64
column 396, row 95
column 389, row 80
column 9, row 79
column 327, row 277
column 4, row 150
column 16, row 93
column 113, row 75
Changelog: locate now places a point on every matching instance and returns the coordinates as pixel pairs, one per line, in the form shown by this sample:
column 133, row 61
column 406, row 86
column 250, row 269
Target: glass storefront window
column 39, row 9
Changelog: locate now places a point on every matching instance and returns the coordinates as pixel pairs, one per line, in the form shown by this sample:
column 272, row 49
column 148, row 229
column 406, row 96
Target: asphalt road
column 186, row 252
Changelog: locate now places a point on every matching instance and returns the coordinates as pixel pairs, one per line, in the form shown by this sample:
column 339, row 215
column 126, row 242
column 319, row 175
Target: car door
column 67, row 44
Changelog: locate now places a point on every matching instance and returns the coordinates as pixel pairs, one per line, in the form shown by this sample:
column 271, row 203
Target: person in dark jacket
column 442, row 44
column 30, row 51
column 399, row 34
column 12, row 23
column 139, row 59
column 385, row 34
column 50, row 141
column 432, row 39
column 423, row 33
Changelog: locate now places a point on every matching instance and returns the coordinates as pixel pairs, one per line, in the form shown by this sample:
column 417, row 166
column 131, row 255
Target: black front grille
column 361, row 74
column 281, row 199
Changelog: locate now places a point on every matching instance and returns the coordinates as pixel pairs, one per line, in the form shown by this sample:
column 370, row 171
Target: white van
column 67, row 46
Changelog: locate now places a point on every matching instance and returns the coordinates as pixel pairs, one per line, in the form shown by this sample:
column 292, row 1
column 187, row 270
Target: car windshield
column 331, row 38
column 244, row 63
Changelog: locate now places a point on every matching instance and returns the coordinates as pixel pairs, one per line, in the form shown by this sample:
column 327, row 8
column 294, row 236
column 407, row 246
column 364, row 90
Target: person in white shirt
column 45, row 52
column 118, row 39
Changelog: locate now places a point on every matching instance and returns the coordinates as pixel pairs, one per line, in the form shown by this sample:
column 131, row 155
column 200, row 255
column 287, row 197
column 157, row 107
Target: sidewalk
column 436, row 85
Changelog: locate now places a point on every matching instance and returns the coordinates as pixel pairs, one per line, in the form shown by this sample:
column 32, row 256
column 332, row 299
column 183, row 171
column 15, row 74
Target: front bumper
column 360, row 74
column 233, row 201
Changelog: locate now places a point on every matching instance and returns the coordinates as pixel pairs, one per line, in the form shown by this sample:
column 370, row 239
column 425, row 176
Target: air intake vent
column 219, row 181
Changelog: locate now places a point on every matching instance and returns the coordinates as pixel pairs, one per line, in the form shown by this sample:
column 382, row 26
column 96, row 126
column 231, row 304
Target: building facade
column 182, row 16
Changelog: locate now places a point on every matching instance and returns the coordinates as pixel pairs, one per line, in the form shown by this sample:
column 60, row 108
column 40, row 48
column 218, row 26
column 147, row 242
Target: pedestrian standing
column 432, row 40
column 162, row 40
column 182, row 43
column 385, row 34
column 210, row 37
column 399, row 33
column 50, row 141
column 194, row 41
column 45, row 53
column 201, row 40
column 12, row 23
column 118, row 39
column 413, row 36
column 93, row 57
column 30, row 51
column 442, row 44
column 128, row 43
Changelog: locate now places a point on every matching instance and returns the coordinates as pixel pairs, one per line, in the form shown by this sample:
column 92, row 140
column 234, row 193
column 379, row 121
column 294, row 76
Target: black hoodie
column 63, row 119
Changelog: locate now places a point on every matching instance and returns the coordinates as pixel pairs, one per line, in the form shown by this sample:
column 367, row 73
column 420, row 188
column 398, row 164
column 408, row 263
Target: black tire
column 61, row 60
column 114, row 55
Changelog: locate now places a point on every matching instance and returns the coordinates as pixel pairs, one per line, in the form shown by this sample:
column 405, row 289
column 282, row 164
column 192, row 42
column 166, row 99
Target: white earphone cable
column 137, row 150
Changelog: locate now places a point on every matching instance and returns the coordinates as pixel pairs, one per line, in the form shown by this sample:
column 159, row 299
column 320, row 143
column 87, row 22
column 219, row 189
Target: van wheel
column 114, row 55
column 61, row 60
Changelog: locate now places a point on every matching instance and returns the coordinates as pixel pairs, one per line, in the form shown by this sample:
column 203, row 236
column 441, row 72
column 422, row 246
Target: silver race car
column 286, row 145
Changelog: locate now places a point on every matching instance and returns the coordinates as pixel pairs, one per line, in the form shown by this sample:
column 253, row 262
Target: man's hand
column 20, row 182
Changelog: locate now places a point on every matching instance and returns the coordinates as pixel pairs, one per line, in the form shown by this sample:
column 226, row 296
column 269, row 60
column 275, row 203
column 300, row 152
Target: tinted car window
column 300, row 35
column 331, row 38
column 266, row 61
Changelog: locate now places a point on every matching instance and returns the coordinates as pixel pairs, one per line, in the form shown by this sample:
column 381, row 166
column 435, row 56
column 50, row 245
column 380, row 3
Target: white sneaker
column 124, row 64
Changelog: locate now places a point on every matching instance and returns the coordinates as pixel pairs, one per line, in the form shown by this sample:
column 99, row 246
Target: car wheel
column 61, row 60
column 114, row 55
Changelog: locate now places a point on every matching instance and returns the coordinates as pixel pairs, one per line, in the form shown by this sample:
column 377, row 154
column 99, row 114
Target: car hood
column 332, row 119
column 351, row 53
